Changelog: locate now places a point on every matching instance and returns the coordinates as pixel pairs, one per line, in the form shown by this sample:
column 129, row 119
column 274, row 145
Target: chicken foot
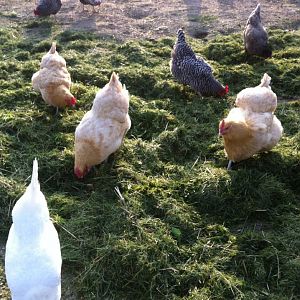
column 230, row 164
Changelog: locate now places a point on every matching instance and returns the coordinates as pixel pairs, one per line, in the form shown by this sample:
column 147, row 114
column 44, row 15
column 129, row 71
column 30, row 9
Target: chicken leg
column 229, row 166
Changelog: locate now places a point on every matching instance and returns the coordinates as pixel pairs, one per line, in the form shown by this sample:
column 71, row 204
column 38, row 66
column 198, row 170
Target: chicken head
column 80, row 173
column 70, row 101
column 223, row 128
column 224, row 91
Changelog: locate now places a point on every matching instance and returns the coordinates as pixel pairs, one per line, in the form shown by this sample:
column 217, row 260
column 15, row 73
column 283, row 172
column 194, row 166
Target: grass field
column 162, row 218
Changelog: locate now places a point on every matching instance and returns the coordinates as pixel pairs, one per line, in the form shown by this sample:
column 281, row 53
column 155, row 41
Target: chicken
column 255, row 36
column 251, row 127
column 53, row 80
column 193, row 71
column 102, row 129
column 47, row 7
column 93, row 3
column 33, row 257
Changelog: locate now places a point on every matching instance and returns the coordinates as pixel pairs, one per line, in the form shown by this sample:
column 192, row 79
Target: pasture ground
column 184, row 227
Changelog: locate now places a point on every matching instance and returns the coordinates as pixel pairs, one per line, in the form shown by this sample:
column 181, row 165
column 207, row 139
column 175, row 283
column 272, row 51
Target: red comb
column 78, row 173
column 73, row 101
column 226, row 89
column 81, row 174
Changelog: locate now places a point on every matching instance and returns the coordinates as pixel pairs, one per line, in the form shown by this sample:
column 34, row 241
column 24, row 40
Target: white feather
column 33, row 258
column 258, row 99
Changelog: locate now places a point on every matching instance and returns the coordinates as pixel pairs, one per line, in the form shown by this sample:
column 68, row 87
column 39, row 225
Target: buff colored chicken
column 53, row 80
column 251, row 127
column 102, row 129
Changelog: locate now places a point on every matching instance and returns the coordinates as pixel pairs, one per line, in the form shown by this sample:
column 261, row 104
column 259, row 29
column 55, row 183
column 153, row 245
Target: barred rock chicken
column 33, row 258
column 93, row 3
column 53, row 80
column 47, row 7
column 194, row 71
column 102, row 129
column 255, row 36
column 251, row 127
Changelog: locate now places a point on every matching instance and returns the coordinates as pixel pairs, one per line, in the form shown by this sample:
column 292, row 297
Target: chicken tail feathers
column 254, row 18
column 53, row 48
column 34, row 177
column 114, row 78
column 180, row 36
column 114, row 82
column 265, row 81
column 257, row 9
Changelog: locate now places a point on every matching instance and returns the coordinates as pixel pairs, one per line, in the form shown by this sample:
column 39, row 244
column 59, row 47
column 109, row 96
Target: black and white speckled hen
column 194, row 71
column 47, row 7
column 255, row 36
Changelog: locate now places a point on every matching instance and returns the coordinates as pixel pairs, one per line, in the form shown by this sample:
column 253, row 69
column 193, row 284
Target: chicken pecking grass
column 181, row 226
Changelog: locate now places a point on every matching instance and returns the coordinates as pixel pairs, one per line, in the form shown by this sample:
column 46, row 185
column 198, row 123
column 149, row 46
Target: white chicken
column 33, row 257
column 251, row 127
column 102, row 129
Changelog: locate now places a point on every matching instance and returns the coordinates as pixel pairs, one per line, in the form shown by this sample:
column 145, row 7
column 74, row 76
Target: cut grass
column 178, row 226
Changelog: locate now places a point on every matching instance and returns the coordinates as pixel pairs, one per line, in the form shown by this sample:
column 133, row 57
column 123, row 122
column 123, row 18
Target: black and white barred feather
column 194, row 71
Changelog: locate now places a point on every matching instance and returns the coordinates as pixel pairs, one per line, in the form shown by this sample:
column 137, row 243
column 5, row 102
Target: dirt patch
column 129, row 19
